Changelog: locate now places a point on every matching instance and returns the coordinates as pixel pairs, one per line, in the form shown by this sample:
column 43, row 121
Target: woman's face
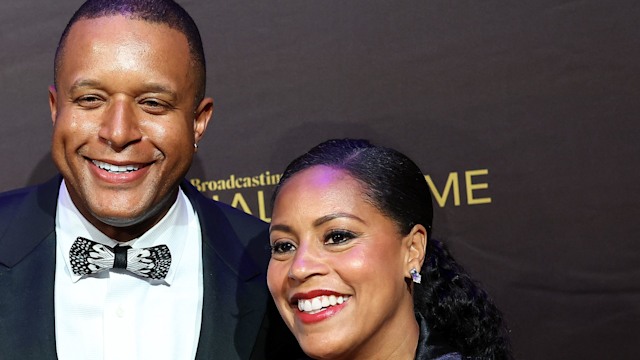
column 338, row 267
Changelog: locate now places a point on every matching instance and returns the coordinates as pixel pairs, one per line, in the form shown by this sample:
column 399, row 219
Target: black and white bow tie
column 89, row 257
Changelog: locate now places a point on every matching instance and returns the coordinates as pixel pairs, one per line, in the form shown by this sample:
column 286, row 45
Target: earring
column 195, row 146
column 415, row 276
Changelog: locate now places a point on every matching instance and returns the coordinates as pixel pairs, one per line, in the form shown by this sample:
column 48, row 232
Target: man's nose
column 120, row 125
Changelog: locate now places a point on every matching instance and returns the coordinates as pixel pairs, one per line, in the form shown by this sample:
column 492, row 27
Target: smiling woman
column 354, row 272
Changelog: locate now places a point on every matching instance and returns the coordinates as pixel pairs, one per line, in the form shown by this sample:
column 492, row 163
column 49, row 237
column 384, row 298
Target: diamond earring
column 415, row 276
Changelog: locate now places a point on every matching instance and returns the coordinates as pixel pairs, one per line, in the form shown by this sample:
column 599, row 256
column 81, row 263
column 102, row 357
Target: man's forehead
column 119, row 44
column 113, row 32
column 121, row 21
column 119, row 29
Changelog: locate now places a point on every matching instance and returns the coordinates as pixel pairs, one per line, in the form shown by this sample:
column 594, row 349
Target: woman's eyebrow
column 332, row 216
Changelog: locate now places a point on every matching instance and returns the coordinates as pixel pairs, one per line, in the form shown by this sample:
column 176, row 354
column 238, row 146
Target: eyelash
column 342, row 235
column 89, row 101
column 279, row 247
column 333, row 237
column 88, row 98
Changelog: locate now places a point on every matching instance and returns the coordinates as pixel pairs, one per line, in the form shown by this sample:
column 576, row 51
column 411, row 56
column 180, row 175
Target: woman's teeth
column 320, row 302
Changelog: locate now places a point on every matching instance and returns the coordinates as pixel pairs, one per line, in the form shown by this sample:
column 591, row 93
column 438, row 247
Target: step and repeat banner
column 523, row 117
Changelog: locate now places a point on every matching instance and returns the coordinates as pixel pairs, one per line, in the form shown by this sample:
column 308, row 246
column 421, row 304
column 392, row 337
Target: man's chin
column 144, row 219
column 122, row 222
column 119, row 219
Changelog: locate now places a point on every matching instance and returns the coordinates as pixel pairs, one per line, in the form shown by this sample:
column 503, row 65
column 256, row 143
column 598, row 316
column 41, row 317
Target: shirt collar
column 169, row 231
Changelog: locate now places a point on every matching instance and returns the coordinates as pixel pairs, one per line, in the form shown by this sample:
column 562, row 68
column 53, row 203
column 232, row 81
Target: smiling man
column 119, row 257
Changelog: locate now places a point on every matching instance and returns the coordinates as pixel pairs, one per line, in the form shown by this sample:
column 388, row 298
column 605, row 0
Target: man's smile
column 116, row 169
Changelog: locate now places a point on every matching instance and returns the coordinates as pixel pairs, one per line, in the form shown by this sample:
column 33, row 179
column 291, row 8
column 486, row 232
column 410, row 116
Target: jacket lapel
column 235, row 295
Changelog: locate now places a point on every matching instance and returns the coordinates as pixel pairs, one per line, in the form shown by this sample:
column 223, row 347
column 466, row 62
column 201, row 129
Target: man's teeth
column 320, row 302
column 115, row 168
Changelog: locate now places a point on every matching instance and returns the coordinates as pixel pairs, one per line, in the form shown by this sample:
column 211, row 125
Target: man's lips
column 120, row 173
column 118, row 169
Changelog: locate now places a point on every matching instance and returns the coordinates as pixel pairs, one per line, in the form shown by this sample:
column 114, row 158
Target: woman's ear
column 416, row 245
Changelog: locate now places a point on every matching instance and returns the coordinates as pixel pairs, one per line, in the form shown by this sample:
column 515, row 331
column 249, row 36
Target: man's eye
column 339, row 237
column 154, row 106
column 282, row 248
column 151, row 103
column 89, row 101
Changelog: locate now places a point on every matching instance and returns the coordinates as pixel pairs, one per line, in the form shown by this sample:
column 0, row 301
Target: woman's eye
column 339, row 237
column 282, row 248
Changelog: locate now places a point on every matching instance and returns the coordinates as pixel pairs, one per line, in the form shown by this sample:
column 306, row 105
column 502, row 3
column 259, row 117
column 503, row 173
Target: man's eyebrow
column 84, row 83
column 159, row 88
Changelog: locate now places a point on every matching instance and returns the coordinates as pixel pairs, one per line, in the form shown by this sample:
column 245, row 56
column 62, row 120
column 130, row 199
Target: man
column 119, row 257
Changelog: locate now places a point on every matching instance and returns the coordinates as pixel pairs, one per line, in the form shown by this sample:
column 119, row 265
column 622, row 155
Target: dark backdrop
column 527, row 110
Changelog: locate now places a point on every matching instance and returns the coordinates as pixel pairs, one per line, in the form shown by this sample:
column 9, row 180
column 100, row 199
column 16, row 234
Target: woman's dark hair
column 454, row 306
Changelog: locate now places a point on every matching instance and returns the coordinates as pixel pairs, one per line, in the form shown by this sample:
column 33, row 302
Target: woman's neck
column 397, row 341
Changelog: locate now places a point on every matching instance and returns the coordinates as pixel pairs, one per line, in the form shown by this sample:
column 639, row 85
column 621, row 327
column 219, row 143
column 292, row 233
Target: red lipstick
column 337, row 302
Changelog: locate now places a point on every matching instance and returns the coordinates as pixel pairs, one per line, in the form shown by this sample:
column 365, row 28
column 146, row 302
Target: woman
column 353, row 271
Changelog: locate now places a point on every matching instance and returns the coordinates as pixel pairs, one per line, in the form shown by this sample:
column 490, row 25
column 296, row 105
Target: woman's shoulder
column 432, row 346
column 449, row 356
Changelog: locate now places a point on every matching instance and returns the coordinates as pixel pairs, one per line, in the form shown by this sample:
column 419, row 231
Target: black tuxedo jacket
column 239, row 320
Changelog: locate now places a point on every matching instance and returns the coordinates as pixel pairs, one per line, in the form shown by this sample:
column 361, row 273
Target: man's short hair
column 166, row 12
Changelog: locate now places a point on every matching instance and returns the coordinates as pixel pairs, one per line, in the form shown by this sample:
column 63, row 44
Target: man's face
column 125, row 121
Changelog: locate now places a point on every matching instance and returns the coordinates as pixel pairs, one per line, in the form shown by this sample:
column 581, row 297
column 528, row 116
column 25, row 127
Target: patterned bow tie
column 90, row 257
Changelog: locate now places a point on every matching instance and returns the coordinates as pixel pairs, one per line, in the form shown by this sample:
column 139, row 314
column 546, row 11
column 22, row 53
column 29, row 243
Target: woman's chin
column 318, row 354
column 326, row 346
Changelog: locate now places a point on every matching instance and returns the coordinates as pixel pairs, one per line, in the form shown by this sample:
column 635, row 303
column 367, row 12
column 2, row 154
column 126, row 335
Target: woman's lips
column 318, row 305
column 319, row 302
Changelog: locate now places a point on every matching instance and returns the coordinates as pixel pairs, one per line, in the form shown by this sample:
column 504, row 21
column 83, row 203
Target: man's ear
column 201, row 118
column 416, row 245
column 53, row 99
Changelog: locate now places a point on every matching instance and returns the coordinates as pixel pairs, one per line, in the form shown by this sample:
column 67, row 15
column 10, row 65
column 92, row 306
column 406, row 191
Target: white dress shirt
column 116, row 315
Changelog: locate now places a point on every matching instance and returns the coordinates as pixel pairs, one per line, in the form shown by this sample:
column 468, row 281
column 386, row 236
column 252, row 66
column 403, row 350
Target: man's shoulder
column 41, row 194
column 238, row 216
column 247, row 228
column 27, row 216
column 211, row 208
column 14, row 196
column 12, row 200
column 235, row 235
